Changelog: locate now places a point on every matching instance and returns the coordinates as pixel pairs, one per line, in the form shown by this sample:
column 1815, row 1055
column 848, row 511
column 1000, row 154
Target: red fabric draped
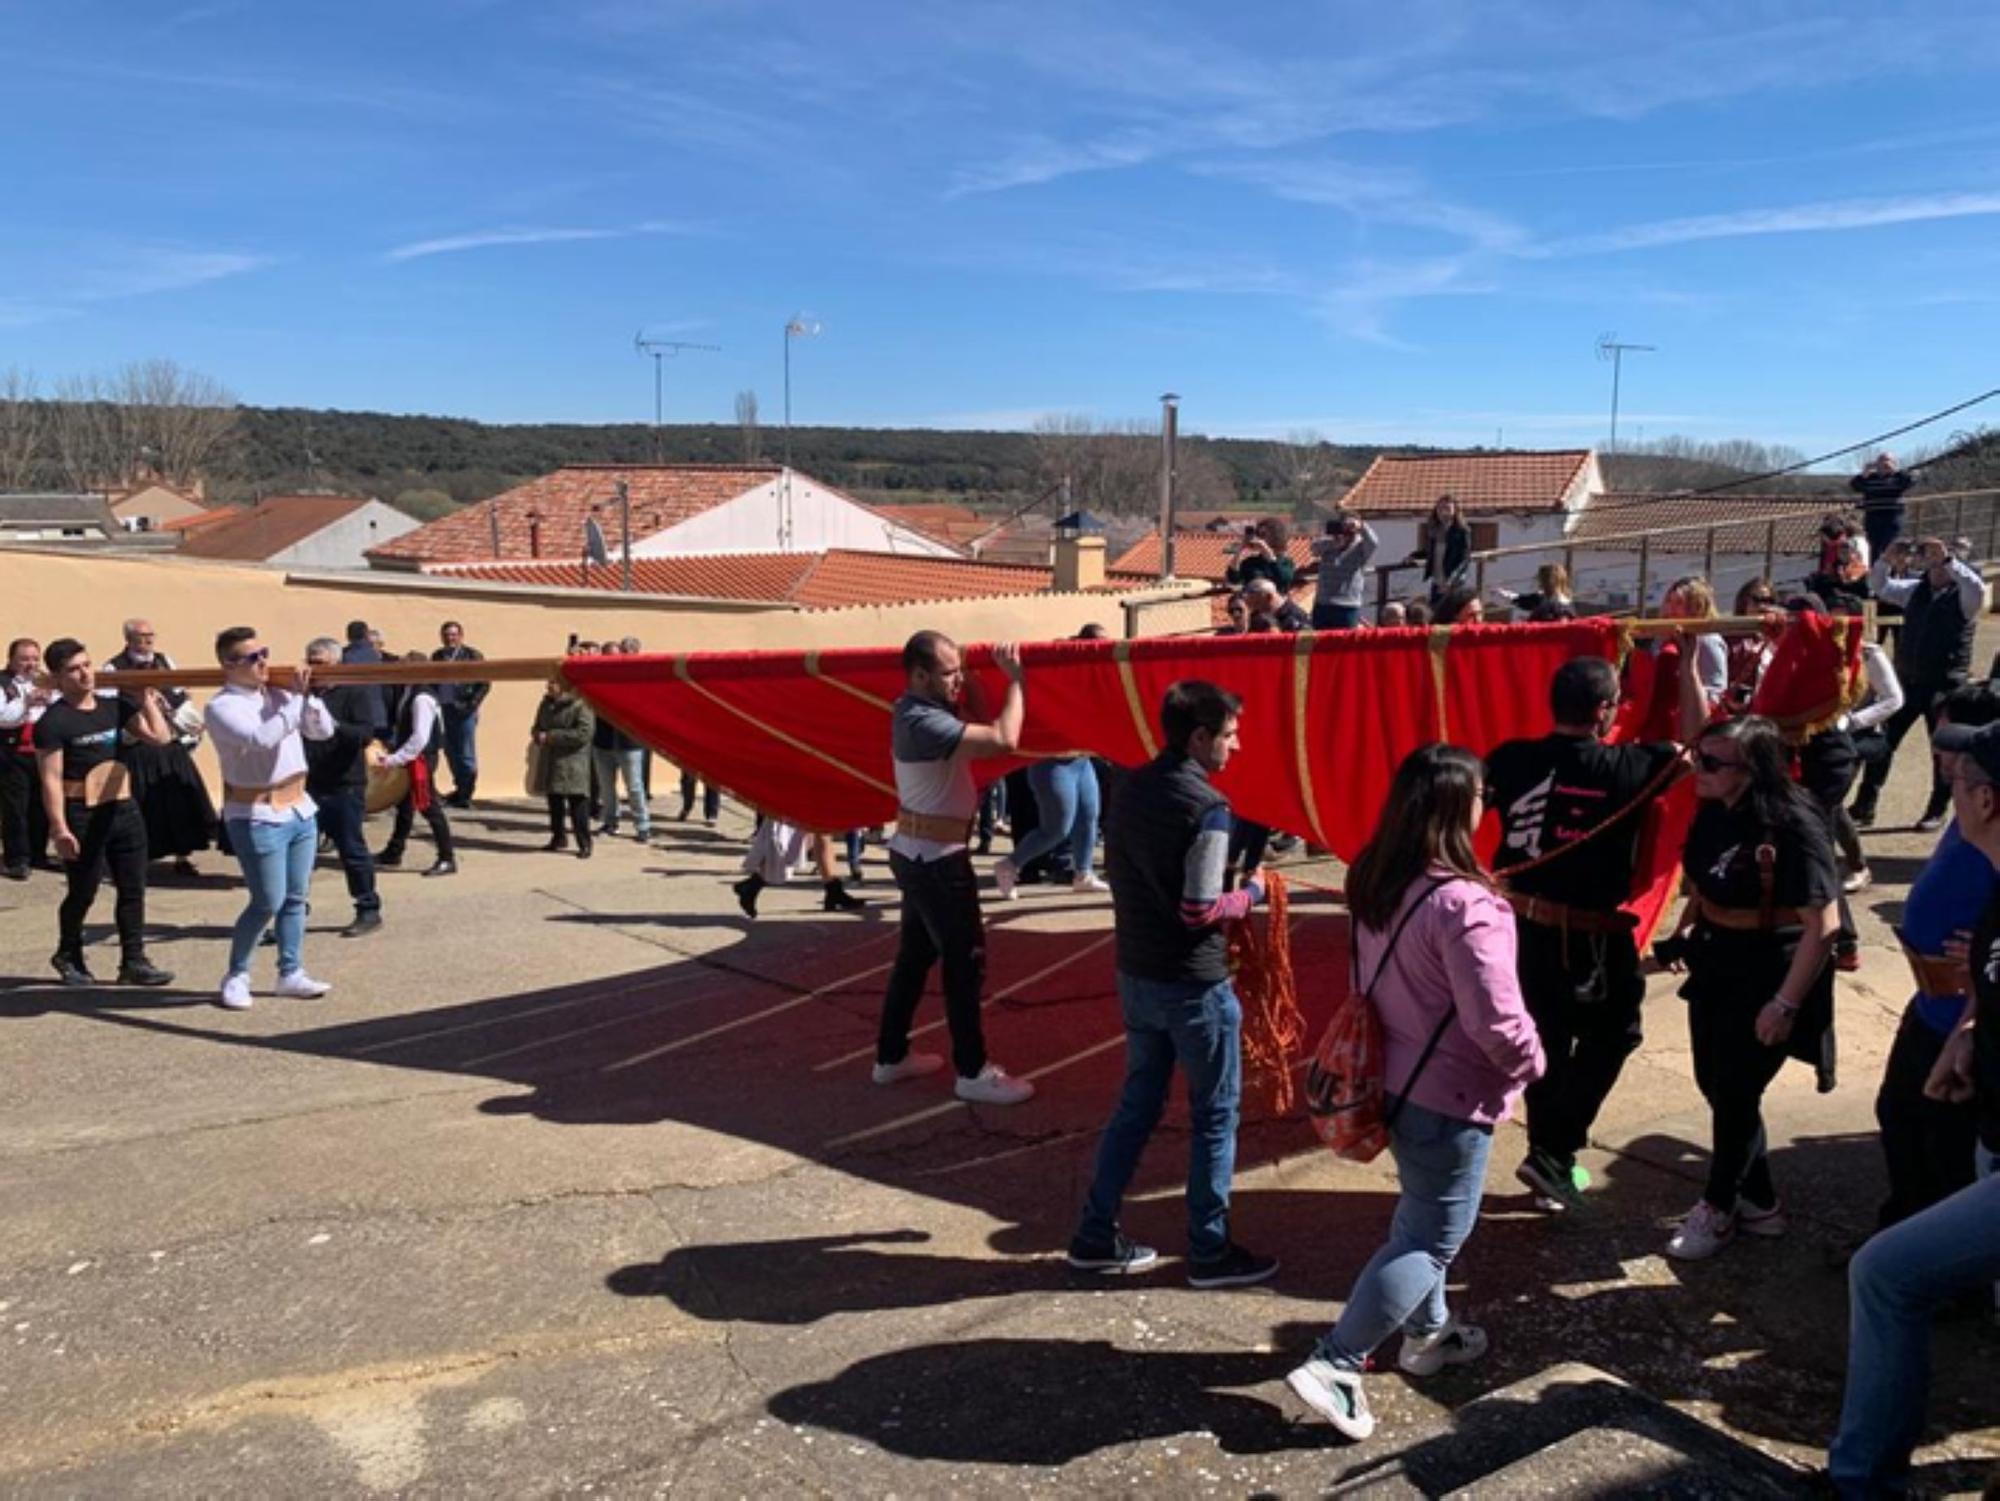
column 1326, row 716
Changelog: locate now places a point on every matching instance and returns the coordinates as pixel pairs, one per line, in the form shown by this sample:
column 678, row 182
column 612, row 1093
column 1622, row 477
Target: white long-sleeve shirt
column 423, row 721
column 19, row 705
column 259, row 737
column 1885, row 690
column 1971, row 587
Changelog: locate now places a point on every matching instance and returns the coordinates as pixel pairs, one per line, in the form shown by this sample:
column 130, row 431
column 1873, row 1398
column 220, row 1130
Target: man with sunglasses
column 259, row 733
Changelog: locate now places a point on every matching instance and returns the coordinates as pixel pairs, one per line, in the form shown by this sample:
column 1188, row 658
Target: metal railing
column 1723, row 546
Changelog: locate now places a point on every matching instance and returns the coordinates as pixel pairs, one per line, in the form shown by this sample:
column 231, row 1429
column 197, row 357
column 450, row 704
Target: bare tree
column 746, row 418
column 87, row 431
column 176, row 421
column 1307, row 467
column 23, row 429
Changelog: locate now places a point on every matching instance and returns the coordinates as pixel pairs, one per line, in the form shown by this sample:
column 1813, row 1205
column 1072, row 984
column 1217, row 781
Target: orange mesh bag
column 1345, row 1083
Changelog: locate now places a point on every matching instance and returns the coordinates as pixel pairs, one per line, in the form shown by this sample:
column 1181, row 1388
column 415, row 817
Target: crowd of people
column 1518, row 985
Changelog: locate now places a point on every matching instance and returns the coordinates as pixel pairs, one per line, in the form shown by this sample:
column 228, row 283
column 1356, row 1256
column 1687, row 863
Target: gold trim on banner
column 1301, row 743
column 681, row 672
column 1123, row 656
column 1440, row 644
column 812, row 671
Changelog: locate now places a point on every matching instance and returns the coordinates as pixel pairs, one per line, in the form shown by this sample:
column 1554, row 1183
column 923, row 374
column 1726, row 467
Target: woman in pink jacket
column 1434, row 948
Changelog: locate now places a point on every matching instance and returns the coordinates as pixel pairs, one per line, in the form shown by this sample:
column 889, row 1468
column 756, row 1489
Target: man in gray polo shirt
column 937, row 798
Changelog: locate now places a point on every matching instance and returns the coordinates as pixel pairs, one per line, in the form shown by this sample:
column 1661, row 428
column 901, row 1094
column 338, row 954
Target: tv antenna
column 1608, row 348
column 661, row 350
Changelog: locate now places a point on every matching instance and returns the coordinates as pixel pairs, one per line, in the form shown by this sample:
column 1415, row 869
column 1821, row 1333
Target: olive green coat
column 565, row 755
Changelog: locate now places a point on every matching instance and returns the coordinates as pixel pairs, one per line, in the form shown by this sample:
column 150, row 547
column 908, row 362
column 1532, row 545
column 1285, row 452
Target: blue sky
column 1404, row 222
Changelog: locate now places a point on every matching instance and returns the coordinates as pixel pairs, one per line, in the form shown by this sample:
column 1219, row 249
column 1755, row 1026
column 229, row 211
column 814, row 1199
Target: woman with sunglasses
column 1434, row 951
column 1755, row 938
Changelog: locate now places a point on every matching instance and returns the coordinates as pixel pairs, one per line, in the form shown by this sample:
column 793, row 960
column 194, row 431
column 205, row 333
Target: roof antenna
column 660, row 349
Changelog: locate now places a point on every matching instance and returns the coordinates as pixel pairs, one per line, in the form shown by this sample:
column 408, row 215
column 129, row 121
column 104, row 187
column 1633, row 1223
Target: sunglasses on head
column 1708, row 762
column 251, row 658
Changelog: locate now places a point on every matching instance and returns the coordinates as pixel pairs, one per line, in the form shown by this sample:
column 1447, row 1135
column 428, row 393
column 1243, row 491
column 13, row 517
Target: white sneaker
column 1455, row 1344
column 911, row 1066
column 301, row 986
column 1088, row 881
column 236, row 993
column 1769, row 1223
column 1705, row 1231
column 1005, row 878
column 993, row 1085
column 1859, row 880
column 1335, row 1395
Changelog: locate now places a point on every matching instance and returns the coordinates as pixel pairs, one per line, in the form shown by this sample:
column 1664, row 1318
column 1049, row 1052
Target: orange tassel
column 1260, row 961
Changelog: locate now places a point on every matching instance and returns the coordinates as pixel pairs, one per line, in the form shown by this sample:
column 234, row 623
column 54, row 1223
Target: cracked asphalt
column 576, row 1184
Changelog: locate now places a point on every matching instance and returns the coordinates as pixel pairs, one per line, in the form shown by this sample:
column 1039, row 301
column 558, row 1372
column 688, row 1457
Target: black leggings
column 1733, row 1069
column 574, row 806
column 406, row 817
column 113, row 835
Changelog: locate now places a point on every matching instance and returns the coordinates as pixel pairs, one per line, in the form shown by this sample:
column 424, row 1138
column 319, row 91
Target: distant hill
column 429, row 465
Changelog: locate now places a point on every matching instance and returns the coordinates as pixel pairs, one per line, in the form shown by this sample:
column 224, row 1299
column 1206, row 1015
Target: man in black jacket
column 1881, row 486
column 337, row 778
column 459, row 703
column 1941, row 608
column 1169, row 842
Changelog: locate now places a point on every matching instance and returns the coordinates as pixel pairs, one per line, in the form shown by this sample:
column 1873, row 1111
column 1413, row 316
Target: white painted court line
column 517, row 1015
column 869, row 1052
column 745, row 1021
column 917, row 1117
column 644, row 1013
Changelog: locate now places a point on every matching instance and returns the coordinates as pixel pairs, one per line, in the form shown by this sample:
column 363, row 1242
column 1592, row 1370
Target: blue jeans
column 1441, row 1166
column 610, row 763
column 277, row 861
column 1065, row 808
column 1201, row 1025
column 1336, row 617
column 1894, row 1286
column 461, row 731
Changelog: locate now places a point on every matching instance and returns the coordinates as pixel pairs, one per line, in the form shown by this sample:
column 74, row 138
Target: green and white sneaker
column 1557, row 1188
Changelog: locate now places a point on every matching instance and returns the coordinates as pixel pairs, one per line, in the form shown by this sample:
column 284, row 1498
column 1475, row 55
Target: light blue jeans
column 1894, row 1287
column 1441, row 1166
column 632, row 763
column 1199, row 1025
column 1065, row 808
column 277, row 861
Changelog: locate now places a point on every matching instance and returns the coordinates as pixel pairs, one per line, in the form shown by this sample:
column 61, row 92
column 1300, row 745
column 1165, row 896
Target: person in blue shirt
column 1928, row 1143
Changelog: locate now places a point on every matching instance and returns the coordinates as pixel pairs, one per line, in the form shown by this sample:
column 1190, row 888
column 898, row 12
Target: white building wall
column 1611, row 575
column 342, row 544
column 754, row 522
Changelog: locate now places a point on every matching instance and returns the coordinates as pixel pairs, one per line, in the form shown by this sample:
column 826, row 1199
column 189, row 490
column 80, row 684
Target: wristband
column 1784, row 1005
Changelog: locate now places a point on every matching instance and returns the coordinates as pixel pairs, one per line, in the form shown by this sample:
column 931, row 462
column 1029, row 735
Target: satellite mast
column 1608, row 348
column 660, row 350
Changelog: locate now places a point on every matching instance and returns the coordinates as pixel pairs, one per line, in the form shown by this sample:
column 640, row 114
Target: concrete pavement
column 576, row 1183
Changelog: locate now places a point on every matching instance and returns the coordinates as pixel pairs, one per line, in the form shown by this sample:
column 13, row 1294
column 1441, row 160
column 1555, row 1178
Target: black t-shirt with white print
column 87, row 738
column 1985, row 962
column 1550, row 793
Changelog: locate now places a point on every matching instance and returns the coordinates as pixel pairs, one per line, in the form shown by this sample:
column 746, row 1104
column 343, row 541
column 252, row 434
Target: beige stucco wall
column 50, row 594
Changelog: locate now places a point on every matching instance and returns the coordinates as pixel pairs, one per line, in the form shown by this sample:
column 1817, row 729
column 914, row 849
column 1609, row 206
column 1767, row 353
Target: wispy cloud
column 110, row 273
column 488, row 239
column 1804, row 218
column 1384, row 195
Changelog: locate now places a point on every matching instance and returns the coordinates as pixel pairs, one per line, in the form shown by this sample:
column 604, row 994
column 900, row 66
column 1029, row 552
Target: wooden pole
column 496, row 670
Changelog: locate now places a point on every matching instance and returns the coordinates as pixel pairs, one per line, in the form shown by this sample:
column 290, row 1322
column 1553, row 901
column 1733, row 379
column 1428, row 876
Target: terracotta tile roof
column 955, row 526
column 1481, row 482
column 272, row 525
column 770, row 576
column 815, row 581
column 663, row 495
column 1197, row 555
column 202, row 518
column 1616, row 514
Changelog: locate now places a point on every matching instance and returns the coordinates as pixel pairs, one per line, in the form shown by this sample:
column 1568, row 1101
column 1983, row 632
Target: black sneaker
column 1235, row 1267
column 18, row 871
column 144, row 972
column 364, row 923
column 1933, row 820
column 1553, row 1182
column 839, row 899
column 1122, row 1257
column 1863, row 814
column 442, row 868
column 73, row 971
column 390, row 858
